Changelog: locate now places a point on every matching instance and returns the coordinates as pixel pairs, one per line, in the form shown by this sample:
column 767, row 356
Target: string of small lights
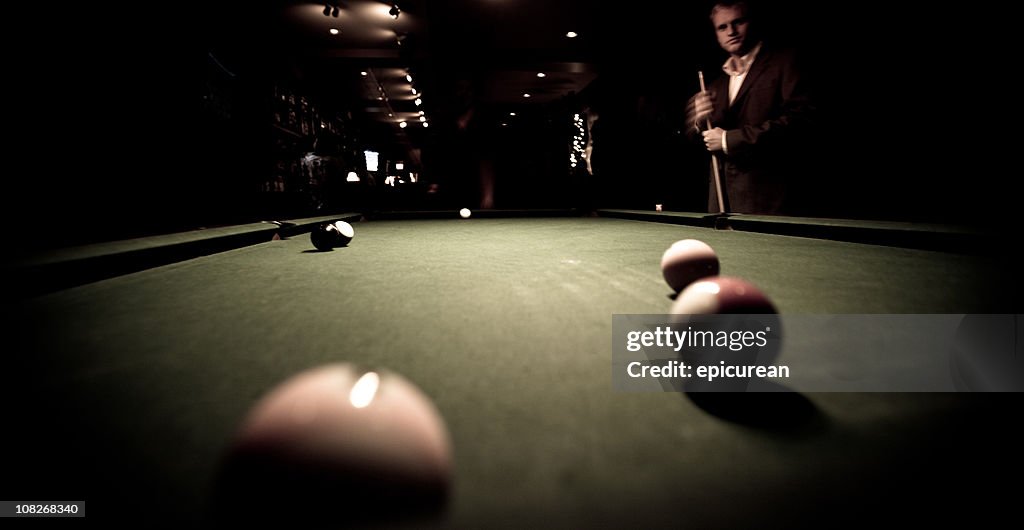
column 576, row 155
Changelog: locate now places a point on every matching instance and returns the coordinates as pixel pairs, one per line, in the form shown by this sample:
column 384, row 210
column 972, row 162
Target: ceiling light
column 395, row 11
column 414, row 91
column 408, row 77
column 418, row 102
column 541, row 74
column 363, row 73
column 402, row 124
column 334, row 31
column 526, row 94
column 572, row 34
column 423, row 118
column 422, row 113
column 424, row 124
column 511, row 113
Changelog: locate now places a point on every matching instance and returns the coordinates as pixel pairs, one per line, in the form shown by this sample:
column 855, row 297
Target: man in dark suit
column 758, row 113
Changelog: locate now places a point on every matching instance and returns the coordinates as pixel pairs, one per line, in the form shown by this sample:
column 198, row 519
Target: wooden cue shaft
column 714, row 158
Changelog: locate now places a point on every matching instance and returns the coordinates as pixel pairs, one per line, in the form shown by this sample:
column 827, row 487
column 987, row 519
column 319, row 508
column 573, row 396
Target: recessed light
column 402, row 124
column 526, row 94
column 408, row 77
column 511, row 113
column 424, row 124
column 572, row 34
column 334, row 31
column 363, row 73
column 541, row 74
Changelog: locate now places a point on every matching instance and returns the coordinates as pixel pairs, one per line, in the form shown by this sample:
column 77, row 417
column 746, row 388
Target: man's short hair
column 748, row 10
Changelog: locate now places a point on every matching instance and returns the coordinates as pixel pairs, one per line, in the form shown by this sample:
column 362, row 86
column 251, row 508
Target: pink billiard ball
column 722, row 295
column 687, row 261
column 363, row 442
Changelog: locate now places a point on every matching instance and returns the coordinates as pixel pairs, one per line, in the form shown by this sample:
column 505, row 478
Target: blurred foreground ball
column 344, row 445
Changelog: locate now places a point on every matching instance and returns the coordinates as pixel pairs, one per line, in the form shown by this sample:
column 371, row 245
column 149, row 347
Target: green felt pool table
column 125, row 392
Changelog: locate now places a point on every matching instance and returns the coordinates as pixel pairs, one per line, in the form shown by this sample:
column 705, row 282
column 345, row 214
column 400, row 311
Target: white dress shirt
column 737, row 68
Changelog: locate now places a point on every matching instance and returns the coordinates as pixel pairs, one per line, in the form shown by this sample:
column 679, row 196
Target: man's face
column 731, row 26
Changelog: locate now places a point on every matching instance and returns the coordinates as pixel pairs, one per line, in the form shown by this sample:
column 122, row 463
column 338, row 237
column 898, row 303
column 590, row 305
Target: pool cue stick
column 714, row 158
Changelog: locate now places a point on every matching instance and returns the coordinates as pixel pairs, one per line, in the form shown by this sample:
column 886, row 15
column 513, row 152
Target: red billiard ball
column 747, row 311
column 686, row 261
column 722, row 295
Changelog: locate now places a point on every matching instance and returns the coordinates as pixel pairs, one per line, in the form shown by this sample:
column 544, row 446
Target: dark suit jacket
column 764, row 129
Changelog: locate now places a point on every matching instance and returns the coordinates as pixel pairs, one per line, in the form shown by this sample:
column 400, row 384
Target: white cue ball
column 345, row 233
column 361, row 438
column 465, row 213
column 687, row 261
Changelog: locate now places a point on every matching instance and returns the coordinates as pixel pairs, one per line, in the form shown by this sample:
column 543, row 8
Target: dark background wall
column 117, row 136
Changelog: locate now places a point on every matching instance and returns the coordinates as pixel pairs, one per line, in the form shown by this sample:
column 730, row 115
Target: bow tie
column 737, row 65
